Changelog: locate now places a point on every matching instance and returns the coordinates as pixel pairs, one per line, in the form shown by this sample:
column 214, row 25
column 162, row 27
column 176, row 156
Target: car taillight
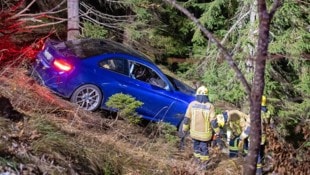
column 62, row 65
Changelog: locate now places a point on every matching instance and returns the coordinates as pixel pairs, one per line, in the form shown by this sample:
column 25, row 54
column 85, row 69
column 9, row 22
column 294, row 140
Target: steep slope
column 42, row 133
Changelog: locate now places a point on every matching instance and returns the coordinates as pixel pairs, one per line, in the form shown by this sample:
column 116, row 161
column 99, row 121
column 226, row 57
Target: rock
column 7, row 110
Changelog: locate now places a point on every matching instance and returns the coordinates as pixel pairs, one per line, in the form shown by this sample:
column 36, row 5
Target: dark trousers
column 233, row 147
column 233, row 152
column 201, row 149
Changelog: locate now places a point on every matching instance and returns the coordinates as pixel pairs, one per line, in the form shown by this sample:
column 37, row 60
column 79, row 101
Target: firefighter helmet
column 264, row 100
column 202, row 90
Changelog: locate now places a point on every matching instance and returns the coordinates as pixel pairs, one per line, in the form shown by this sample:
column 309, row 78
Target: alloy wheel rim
column 88, row 99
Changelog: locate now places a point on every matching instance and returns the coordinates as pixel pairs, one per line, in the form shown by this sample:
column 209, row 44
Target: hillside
column 41, row 133
column 44, row 134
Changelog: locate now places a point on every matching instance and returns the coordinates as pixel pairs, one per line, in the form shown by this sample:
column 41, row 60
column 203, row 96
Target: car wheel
column 87, row 97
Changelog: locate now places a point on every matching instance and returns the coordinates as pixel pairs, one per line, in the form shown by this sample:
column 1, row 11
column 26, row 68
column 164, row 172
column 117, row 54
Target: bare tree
column 255, row 92
column 17, row 19
column 73, row 19
column 251, row 35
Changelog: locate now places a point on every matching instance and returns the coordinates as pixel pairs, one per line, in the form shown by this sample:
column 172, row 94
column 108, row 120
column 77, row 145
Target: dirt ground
column 22, row 99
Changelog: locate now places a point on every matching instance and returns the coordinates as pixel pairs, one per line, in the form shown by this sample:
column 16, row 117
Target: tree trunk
column 259, row 83
column 252, row 37
column 73, row 19
column 257, row 89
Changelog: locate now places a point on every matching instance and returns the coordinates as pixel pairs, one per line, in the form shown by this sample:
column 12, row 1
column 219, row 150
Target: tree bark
column 252, row 37
column 257, row 89
column 259, row 83
column 73, row 19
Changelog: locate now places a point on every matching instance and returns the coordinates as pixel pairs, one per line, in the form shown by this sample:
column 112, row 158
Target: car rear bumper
column 49, row 77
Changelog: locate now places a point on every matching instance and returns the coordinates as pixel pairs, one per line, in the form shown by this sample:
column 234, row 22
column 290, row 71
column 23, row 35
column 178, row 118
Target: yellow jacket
column 238, row 123
column 265, row 119
column 200, row 116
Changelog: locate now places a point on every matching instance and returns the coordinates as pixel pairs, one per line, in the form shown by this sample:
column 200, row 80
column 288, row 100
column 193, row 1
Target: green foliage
column 93, row 30
column 303, row 69
column 170, row 33
column 215, row 16
column 297, row 111
column 164, row 130
column 222, row 83
column 126, row 106
column 7, row 162
column 288, row 84
column 291, row 116
column 212, row 16
column 158, row 26
column 290, row 35
column 169, row 132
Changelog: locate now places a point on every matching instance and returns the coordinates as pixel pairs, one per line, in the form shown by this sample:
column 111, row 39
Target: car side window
column 115, row 64
column 146, row 74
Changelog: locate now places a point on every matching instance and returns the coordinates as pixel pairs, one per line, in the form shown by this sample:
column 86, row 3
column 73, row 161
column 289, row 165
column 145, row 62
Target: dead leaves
column 285, row 158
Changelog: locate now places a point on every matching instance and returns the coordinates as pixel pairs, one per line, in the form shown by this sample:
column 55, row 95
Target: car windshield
column 180, row 86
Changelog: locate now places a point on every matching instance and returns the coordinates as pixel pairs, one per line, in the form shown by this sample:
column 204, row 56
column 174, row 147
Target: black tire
column 88, row 97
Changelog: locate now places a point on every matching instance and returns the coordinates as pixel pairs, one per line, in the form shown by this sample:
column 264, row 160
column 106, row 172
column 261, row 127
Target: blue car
column 89, row 71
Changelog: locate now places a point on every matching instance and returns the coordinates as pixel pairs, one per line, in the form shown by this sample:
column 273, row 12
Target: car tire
column 88, row 97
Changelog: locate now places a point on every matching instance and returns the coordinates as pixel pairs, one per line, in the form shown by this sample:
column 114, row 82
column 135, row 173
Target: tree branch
column 59, row 5
column 208, row 34
column 23, row 11
column 45, row 24
column 43, row 13
column 276, row 4
column 22, row 17
column 234, row 26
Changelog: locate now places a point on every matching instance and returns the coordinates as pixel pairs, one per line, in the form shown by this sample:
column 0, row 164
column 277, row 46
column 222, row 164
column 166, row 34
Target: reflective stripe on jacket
column 200, row 115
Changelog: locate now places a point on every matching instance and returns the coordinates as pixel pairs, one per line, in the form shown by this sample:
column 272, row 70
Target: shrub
column 163, row 130
column 93, row 30
column 125, row 105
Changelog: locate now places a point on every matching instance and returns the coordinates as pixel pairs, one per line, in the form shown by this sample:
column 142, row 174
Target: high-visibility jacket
column 200, row 116
column 238, row 123
column 265, row 119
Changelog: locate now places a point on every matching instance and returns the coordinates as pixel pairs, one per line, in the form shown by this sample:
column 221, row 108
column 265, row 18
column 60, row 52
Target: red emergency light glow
column 43, row 47
column 62, row 65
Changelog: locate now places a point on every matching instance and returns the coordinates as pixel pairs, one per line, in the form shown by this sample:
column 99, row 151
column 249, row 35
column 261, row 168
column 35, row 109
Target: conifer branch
column 208, row 34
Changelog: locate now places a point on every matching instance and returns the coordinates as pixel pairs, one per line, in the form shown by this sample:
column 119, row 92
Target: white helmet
column 202, row 90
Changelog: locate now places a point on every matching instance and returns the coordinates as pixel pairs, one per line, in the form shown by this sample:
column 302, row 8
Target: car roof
column 84, row 48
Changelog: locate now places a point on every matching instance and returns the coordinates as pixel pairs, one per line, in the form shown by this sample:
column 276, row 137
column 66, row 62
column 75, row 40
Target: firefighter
column 265, row 120
column 197, row 121
column 238, row 129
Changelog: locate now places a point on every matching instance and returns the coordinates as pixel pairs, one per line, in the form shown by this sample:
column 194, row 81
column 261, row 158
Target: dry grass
column 58, row 138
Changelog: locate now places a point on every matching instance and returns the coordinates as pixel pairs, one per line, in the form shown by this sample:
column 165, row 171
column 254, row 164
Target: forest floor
column 42, row 133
